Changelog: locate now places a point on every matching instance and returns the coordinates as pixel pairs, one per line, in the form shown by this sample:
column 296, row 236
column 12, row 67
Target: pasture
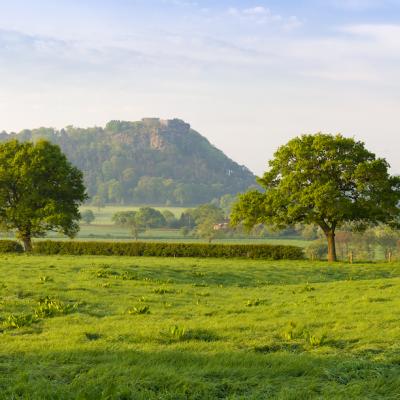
column 104, row 229
column 164, row 328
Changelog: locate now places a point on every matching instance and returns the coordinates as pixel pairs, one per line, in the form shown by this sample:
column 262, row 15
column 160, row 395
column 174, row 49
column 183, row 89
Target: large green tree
column 324, row 180
column 40, row 190
column 130, row 220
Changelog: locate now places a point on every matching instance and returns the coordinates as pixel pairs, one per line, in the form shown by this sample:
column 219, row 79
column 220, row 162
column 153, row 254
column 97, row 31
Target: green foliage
column 48, row 307
column 177, row 333
column 168, row 250
column 317, row 250
column 88, row 216
column 139, row 221
column 150, row 218
column 14, row 321
column 146, row 162
column 40, row 190
column 343, row 342
column 324, row 180
column 45, row 279
column 10, row 246
column 139, row 310
column 130, row 220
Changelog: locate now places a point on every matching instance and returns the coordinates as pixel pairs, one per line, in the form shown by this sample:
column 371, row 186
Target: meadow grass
column 164, row 328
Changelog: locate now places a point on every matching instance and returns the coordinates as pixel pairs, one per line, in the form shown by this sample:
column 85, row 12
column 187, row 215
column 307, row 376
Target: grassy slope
column 312, row 330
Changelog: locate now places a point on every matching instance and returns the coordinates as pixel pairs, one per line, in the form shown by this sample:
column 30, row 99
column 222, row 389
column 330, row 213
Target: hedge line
column 10, row 246
column 169, row 249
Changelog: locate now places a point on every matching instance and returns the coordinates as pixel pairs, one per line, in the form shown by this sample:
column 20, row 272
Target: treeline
column 146, row 162
column 379, row 242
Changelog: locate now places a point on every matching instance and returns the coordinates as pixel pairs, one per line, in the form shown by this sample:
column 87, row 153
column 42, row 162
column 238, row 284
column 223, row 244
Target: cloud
column 259, row 10
column 264, row 16
column 358, row 5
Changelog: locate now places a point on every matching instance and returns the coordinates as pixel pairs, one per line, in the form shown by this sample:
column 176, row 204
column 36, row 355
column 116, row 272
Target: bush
column 10, row 246
column 169, row 250
column 317, row 250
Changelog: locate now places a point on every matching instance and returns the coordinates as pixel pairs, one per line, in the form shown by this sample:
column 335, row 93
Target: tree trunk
column 330, row 237
column 27, row 243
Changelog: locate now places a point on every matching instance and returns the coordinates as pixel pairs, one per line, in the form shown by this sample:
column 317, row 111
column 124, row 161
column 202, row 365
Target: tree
column 324, row 180
column 40, row 190
column 88, row 216
column 170, row 219
column 150, row 217
column 130, row 220
column 388, row 239
column 206, row 229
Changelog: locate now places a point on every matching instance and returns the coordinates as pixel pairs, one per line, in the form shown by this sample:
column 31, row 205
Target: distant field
column 103, row 229
column 215, row 329
column 104, row 214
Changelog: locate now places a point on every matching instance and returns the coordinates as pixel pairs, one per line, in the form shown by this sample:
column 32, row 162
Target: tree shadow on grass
column 179, row 373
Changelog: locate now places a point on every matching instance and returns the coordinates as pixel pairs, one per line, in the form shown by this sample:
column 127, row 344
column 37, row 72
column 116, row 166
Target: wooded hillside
column 151, row 161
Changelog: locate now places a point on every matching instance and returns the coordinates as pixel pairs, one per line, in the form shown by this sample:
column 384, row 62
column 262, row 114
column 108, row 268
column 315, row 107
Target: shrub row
column 10, row 246
column 169, row 249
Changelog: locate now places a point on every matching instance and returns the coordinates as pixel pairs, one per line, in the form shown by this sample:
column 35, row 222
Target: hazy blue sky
column 248, row 75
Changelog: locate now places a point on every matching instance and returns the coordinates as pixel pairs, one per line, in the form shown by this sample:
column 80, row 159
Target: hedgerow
column 10, row 246
column 264, row 251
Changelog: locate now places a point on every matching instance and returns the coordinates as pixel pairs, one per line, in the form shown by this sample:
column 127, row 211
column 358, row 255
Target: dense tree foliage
column 323, row 180
column 146, row 162
column 40, row 190
column 139, row 221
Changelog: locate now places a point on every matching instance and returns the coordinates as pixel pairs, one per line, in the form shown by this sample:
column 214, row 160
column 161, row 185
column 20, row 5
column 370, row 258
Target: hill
column 151, row 161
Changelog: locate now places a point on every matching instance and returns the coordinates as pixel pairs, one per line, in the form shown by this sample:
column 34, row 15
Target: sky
column 248, row 75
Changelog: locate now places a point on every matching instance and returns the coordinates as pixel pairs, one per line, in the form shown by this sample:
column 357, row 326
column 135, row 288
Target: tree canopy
column 324, row 180
column 40, row 190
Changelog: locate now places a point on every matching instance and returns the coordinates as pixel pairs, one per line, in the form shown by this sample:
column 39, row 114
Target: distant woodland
column 151, row 161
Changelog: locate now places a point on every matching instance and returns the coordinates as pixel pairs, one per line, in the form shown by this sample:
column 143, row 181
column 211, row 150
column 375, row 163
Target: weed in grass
column 200, row 284
column 48, row 307
column 315, row 340
column 253, row 303
column 198, row 274
column 106, row 285
column 176, row 333
column 128, row 276
column 106, row 273
column 45, row 279
column 163, row 291
column 292, row 331
column 137, row 310
column 14, row 321
column 180, row 334
column 308, row 288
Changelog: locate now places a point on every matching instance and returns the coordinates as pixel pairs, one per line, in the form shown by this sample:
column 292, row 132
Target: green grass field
column 104, row 229
column 157, row 328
